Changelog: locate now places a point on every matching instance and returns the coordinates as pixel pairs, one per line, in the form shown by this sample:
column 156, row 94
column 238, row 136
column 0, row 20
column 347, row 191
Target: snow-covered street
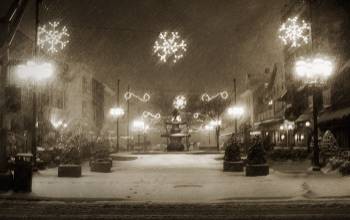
column 188, row 178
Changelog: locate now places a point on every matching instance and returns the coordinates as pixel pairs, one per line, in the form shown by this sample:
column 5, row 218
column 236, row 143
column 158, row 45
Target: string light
column 169, row 45
column 207, row 98
column 147, row 114
column 128, row 95
column 52, row 38
column 294, row 32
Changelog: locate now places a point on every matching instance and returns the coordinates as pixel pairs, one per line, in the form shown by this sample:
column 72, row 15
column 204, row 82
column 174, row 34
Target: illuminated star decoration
column 52, row 37
column 147, row 114
column 128, row 95
column 180, row 102
column 169, row 45
column 294, row 32
column 207, row 98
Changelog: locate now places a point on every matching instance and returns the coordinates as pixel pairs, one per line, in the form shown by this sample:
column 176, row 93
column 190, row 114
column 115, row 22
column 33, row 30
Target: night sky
column 226, row 39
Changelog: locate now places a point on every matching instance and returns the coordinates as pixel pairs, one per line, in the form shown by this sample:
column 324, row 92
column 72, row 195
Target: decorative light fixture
column 215, row 123
column 307, row 124
column 36, row 71
column 207, row 98
column 180, row 102
column 147, row 114
column 52, row 38
column 236, row 111
column 139, row 124
column 116, row 112
column 294, row 32
column 314, row 71
column 169, row 45
column 145, row 98
column 208, row 127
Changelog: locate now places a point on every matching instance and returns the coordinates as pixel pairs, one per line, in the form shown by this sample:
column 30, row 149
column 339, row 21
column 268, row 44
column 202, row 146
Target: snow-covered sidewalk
column 187, row 178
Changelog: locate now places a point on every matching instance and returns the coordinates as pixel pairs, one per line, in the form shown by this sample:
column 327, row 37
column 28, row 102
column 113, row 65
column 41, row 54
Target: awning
column 334, row 115
column 306, row 116
column 268, row 122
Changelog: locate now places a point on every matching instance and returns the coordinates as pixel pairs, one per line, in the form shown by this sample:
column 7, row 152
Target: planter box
column 6, row 181
column 41, row 165
column 233, row 166
column 69, row 170
column 103, row 166
column 257, row 170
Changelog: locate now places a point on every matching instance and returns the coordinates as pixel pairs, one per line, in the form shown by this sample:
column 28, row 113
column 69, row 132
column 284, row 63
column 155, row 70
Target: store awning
column 307, row 116
column 268, row 122
column 334, row 115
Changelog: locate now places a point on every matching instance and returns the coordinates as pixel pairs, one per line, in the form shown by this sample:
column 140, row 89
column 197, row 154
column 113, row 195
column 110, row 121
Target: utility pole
column 118, row 105
column 3, row 125
column 316, row 159
column 235, row 99
column 34, row 119
column 128, row 122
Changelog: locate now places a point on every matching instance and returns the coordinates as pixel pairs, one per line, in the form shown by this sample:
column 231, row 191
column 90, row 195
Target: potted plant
column 70, row 159
column 256, row 161
column 232, row 159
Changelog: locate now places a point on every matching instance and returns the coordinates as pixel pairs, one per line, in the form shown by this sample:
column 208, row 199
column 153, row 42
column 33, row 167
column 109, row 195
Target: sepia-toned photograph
column 174, row 109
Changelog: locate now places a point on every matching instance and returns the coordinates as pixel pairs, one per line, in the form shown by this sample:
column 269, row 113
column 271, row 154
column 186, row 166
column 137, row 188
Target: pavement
column 185, row 178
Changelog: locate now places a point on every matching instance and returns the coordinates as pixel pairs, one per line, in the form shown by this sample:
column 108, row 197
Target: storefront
column 338, row 122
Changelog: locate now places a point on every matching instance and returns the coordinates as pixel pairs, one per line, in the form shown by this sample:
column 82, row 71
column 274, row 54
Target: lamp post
column 140, row 126
column 236, row 112
column 117, row 112
column 35, row 72
column 208, row 128
column 314, row 72
column 128, row 96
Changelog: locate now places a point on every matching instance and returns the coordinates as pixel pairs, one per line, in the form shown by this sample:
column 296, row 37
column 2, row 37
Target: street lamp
column 208, row 128
column 35, row 72
column 236, row 112
column 117, row 112
column 314, row 72
column 140, row 126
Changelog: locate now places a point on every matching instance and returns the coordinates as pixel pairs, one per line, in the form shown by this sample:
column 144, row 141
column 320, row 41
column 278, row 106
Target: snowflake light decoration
column 169, row 45
column 294, row 32
column 52, row 37
column 180, row 102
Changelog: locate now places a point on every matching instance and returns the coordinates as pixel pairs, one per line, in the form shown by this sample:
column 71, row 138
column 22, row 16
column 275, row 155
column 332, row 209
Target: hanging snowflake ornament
column 294, row 32
column 52, row 38
column 168, row 46
column 180, row 102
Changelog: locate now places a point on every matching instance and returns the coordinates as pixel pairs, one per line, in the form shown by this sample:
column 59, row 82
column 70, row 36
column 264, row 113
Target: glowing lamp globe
column 36, row 71
column 116, row 112
column 236, row 111
column 314, row 71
